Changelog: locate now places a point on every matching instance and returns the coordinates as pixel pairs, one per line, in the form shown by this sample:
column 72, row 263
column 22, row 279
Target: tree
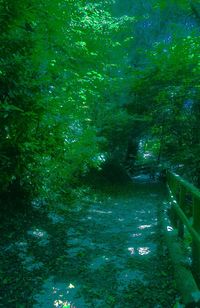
column 58, row 59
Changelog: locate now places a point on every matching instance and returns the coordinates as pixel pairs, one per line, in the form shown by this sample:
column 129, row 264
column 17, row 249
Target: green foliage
column 70, row 93
column 173, row 82
column 58, row 57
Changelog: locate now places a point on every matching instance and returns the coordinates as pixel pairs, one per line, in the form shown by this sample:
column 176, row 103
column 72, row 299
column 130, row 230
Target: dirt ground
column 106, row 252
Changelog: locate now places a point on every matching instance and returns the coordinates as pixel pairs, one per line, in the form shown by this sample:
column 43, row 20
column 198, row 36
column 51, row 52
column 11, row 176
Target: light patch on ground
column 40, row 236
column 136, row 234
column 59, row 293
column 101, row 212
column 143, row 251
column 142, row 227
column 108, row 248
column 131, row 250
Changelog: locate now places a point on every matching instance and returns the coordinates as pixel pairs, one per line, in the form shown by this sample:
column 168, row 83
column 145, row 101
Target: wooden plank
column 190, row 187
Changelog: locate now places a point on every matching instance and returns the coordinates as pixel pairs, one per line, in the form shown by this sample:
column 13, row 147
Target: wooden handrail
column 189, row 187
column 178, row 190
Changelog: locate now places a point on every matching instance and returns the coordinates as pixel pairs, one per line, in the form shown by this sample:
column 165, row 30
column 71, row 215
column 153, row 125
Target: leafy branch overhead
column 83, row 80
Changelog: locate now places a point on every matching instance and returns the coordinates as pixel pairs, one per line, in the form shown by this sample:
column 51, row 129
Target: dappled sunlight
column 131, row 250
column 37, row 233
column 147, row 155
column 141, row 211
column 58, row 294
column 105, row 258
column 101, row 212
column 61, row 304
column 142, row 227
column 143, row 251
column 106, row 248
column 99, row 158
column 99, row 107
column 136, row 235
column 40, row 235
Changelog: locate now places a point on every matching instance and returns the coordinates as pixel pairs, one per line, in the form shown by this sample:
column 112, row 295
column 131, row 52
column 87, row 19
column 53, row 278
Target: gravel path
column 113, row 254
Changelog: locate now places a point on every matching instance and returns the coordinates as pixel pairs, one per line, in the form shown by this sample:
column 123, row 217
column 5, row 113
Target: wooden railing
column 185, row 202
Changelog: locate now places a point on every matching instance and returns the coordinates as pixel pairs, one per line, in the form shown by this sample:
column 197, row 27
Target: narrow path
column 114, row 254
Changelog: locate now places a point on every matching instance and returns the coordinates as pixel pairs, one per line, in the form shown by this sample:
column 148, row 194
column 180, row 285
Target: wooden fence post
column 175, row 191
column 195, row 245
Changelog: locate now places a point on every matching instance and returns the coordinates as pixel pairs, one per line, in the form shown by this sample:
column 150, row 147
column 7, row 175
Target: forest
column 90, row 92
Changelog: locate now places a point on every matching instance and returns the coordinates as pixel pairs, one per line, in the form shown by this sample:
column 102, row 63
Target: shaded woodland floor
column 106, row 252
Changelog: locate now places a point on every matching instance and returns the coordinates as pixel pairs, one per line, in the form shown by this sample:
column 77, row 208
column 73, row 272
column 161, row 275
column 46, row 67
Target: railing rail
column 185, row 202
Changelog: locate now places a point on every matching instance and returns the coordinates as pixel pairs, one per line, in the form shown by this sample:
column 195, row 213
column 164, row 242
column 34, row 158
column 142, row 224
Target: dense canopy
column 84, row 83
